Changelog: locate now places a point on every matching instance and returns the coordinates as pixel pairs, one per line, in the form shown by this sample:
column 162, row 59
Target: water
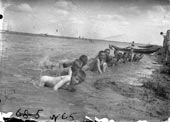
column 23, row 55
column 28, row 51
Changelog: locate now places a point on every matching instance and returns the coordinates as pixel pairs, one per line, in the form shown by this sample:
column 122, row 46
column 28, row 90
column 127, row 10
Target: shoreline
column 92, row 40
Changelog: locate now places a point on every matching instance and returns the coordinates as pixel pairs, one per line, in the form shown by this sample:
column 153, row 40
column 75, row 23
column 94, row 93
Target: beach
column 127, row 92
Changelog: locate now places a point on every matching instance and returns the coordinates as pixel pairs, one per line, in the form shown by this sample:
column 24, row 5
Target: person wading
column 166, row 45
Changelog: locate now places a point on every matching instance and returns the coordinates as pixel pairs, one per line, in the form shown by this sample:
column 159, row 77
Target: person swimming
column 68, row 82
column 75, row 76
column 76, row 65
column 66, row 64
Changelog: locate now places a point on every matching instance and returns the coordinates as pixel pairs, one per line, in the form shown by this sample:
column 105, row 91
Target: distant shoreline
column 66, row 37
column 53, row 36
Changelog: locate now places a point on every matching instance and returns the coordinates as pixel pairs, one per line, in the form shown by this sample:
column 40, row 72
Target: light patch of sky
column 97, row 19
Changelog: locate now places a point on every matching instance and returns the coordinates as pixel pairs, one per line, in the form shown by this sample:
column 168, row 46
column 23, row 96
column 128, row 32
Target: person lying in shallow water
column 66, row 64
column 110, row 60
column 126, row 56
column 118, row 55
column 74, row 77
column 137, row 57
column 98, row 63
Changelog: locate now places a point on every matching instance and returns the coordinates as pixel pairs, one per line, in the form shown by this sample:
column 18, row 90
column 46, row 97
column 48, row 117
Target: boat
column 147, row 50
column 146, row 46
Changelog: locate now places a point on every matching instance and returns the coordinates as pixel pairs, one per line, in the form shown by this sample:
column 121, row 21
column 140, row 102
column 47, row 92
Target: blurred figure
column 101, row 62
column 166, row 44
column 133, row 44
column 132, row 51
column 131, row 47
column 137, row 57
column 126, row 56
column 109, row 58
column 118, row 55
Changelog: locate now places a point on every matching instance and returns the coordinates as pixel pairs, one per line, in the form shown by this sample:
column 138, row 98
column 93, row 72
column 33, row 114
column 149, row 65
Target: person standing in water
column 166, row 44
column 167, row 51
column 132, row 51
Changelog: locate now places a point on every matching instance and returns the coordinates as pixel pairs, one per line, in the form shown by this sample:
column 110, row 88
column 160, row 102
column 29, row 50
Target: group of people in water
column 72, row 73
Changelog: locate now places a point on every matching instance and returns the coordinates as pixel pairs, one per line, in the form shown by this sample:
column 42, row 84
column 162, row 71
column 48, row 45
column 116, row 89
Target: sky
column 115, row 20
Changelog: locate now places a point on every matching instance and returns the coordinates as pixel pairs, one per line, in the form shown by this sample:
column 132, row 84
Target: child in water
column 98, row 63
column 74, row 77
column 109, row 59
column 66, row 64
column 101, row 62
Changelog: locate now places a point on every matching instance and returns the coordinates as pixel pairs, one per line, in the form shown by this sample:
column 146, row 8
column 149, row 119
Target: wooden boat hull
column 146, row 46
column 152, row 49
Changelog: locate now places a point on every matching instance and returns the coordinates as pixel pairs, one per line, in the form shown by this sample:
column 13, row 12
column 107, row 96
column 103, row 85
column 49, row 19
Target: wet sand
column 117, row 94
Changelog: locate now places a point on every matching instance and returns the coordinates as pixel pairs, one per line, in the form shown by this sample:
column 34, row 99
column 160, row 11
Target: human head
column 77, row 65
column 168, row 33
column 107, row 51
column 78, row 77
column 133, row 43
column 102, row 55
column 84, row 59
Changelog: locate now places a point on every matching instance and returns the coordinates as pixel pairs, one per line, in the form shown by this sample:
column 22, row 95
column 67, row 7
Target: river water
column 115, row 94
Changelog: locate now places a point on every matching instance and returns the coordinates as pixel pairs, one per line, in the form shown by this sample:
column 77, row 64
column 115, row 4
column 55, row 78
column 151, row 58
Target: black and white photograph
column 85, row 60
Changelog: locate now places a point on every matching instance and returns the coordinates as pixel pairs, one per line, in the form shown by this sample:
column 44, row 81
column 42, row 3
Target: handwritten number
column 71, row 116
column 37, row 114
column 64, row 117
column 25, row 115
column 18, row 113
